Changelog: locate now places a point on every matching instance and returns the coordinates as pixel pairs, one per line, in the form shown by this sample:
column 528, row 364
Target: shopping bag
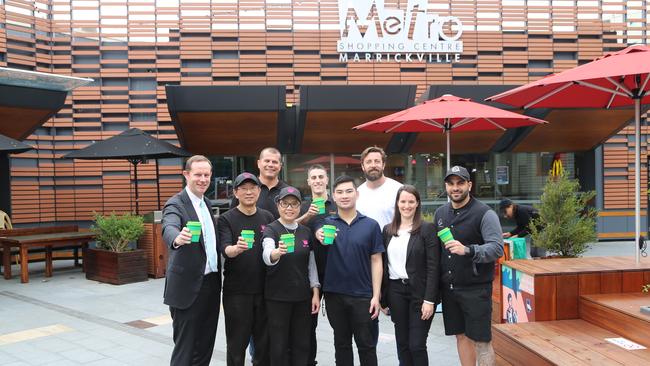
column 518, row 248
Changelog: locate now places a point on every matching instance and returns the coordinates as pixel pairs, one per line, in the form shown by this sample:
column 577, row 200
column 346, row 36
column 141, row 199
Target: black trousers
column 195, row 328
column 245, row 315
column 289, row 325
column 410, row 330
column 313, row 346
column 348, row 316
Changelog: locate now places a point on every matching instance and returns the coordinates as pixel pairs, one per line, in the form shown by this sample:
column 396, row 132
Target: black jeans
column 348, row 316
column 410, row 330
column 289, row 326
column 245, row 315
column 195, row 328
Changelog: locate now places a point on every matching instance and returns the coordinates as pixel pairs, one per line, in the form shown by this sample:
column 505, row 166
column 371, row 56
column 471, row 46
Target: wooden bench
column 44, row 239
column 37, row 255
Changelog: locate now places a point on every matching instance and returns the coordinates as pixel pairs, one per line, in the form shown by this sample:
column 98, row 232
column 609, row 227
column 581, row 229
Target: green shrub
column 115, row 232
column 566, row 223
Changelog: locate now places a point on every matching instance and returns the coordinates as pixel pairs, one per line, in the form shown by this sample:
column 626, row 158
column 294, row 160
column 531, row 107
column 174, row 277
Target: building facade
column 134, row 49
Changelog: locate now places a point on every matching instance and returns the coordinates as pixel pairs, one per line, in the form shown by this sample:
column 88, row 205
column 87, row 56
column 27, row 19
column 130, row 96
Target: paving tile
column 82, row 355
column 33, row 333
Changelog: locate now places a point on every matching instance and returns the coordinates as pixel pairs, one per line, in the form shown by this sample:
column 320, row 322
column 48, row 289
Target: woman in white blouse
column 410, row 286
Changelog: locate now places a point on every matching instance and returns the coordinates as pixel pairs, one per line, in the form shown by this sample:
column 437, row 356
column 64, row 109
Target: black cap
column 458, row 171
column 246, row 177
column 504, row 203
column 288, row 191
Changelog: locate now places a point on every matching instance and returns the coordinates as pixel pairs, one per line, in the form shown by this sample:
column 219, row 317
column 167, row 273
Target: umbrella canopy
column 446, row 114
column 614, row 80
column 134, row 145
column 11, row 146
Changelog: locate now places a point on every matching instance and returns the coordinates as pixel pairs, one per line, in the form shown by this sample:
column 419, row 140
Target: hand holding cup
column 183, row 237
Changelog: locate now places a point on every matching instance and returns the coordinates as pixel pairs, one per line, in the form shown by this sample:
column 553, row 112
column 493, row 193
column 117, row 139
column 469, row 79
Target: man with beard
column 244, row 273
column 269, row 165
column 377, row 194
column 467, row 268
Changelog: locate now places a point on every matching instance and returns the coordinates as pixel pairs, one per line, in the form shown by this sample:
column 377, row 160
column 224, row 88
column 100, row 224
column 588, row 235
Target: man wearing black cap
column 522, row 214
column 467, row 268
column 244, row 273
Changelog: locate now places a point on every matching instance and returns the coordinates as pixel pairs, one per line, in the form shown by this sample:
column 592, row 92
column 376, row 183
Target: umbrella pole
column 135, row 175
column 637, row 177
column 447, row 132
column 157, row 185
column 448, row 150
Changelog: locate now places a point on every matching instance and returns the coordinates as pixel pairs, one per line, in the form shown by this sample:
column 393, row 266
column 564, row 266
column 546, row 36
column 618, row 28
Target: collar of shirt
column 196, row 201
column 356, row 219
column 464, row 208
column 281, row 184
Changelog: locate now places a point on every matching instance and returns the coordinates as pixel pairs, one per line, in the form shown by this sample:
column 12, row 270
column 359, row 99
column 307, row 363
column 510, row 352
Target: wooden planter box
column 116, row 268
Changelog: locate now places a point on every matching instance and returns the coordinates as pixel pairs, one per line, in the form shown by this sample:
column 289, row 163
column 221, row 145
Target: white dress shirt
column 196, row 203
column 397, row 249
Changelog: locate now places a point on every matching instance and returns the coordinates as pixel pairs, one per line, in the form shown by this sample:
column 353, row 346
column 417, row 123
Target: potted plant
column 566, row 222
column 115, row 260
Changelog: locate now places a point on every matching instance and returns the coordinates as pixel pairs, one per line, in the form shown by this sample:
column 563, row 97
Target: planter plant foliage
column 566, row 223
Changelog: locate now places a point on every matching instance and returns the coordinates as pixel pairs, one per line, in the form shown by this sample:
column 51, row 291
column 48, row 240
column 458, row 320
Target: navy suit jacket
column 186, row 264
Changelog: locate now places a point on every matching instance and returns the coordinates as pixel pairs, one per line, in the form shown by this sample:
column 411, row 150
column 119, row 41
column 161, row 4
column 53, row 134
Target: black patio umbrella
column 134, row 145
column 11, row 146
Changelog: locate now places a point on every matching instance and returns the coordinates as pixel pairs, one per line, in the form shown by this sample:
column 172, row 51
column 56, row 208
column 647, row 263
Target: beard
column 373, row 175
column 462, row 197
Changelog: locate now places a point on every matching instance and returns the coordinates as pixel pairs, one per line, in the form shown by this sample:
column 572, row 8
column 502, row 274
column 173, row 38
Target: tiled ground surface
column 67, row 320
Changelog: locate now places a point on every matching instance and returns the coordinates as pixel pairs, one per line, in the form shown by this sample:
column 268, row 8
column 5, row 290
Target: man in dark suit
column 193, row 281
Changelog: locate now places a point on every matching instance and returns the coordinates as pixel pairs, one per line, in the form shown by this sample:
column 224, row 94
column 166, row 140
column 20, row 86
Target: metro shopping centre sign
column 371, row 32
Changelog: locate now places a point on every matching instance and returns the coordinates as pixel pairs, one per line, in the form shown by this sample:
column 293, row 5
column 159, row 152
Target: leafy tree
column 566, row 223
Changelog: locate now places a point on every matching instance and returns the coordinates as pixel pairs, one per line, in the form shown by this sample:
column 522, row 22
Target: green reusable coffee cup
column 445, row 235
column 320, row 203
column 289, row 240
column 249, row 237
column 195, row 230
column 330, row 234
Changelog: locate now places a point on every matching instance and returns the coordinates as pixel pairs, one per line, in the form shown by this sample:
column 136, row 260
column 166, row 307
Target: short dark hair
column 316, row 166
column 344, row 179
column 505, row 203
column 270, row 150
column 195, row 159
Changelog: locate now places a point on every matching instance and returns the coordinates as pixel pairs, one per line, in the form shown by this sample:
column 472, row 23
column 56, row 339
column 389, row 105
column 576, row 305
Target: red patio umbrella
column 614, row 80
column 446, row 114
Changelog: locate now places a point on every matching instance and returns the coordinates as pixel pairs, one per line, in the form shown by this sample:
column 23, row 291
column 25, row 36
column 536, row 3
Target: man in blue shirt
column 353, row 274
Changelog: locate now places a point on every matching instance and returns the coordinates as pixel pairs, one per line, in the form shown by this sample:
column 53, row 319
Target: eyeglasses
column 284, row 204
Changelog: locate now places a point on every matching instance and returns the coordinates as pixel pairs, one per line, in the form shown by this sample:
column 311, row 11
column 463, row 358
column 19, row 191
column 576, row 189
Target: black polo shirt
column 348, row 269
column 266, row 199
column 245, row 273
column 315, row 223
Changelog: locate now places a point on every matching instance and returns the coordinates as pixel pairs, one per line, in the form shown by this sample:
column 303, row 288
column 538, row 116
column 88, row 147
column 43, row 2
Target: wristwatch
column 467, row 250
